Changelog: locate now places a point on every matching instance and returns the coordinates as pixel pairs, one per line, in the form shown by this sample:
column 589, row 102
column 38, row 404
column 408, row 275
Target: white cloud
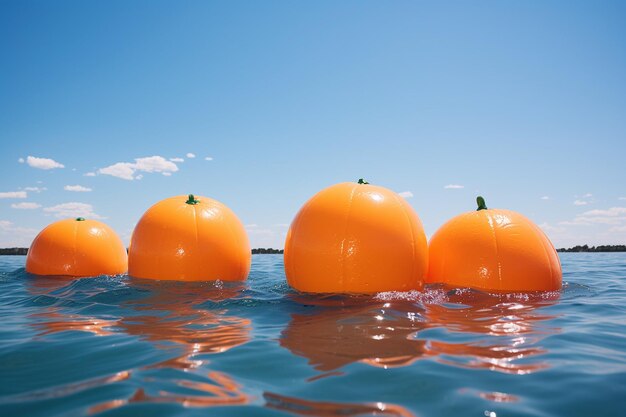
column 15, row 236
column 622, row 198
column 138, row 177
column 612, row 212
column 76, row 188
column 583, row 200
column 611, row 216
column 618, row 229
column 14, row 194
column 90, row 174
column 547, row 227
column 190, row 155
column 35, row 189
column 73, row 209
column 25, row 206
column 256, row 230
column 266, row 237
column 155, row 164
column 127, row 170
column 588, row 221
column 177, row 160
column 43, row 163
column 453, row 187
column 569, row 223
column 208, row 158
column 545, row 197
column 167, row 174
column 123, row 170
column 21, row 160
column 406, row 194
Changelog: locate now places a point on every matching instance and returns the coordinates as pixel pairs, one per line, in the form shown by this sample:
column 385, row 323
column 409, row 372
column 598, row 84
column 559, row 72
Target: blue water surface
column 116, row 346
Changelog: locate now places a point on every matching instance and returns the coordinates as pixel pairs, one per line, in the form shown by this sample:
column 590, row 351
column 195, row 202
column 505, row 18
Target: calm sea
column 116, row 346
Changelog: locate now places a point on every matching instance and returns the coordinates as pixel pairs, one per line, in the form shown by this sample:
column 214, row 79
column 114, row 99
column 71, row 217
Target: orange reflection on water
column 223, row 390
column 496, row 315
column 333, row 338
column 394, row 332
column 52, row 321
column 512, row 327
column 68, row 389
column 332, row 409
column 196, row 331
column 493, row 357
column 171, row 318
column 493, row 396
column 498, row 397
column 175, row 316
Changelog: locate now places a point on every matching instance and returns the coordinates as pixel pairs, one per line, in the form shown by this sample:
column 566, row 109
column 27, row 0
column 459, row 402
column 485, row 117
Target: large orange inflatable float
column 356, row 238
column 78, row 248
column 189, row 239
column 494, row 250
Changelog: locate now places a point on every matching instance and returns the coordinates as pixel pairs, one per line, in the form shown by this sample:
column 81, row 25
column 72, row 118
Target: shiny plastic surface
column 174, row 240
column 356, row 238
column 78, row 248
column 494, row 250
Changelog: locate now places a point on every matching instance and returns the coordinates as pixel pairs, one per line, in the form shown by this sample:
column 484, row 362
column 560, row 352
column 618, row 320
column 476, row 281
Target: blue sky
column 522, row 102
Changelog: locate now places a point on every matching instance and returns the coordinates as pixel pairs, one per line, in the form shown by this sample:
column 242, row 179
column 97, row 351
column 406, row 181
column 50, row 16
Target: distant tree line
column 266, row 251
column 577, row 248
column 601, row 248
column 14, row 251
column 24, row 251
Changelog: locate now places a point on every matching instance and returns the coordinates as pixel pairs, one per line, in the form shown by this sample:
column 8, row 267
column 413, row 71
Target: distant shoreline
column 14, row 251
column 601, row 248
column 255, row 251
column 272, row 251
column 266, row 251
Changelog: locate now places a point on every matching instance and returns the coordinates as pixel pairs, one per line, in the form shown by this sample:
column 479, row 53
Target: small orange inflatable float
column 189, row 239
column 77, row 248
column 493, row 250
column 356, row 238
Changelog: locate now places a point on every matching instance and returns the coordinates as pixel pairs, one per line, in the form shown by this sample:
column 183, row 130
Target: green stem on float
column 362, row 181
column 192, row 200
column 481, row 203
column 80, row 219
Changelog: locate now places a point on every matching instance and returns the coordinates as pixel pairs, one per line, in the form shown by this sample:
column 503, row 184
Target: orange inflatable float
column 189, row 239
column 356, row 238
column 494, row 250
column 78, row 248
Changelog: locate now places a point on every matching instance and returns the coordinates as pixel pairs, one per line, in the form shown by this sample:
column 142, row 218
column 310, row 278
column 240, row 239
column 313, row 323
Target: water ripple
column 108, row 345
